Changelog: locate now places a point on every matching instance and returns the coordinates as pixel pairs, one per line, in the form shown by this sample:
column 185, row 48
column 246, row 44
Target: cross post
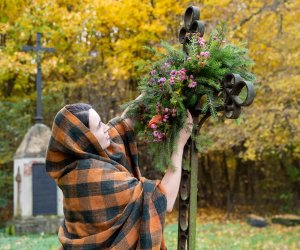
column 38, row 49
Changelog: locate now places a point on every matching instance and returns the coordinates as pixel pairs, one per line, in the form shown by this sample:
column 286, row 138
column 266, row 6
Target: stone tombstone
column 35, row 193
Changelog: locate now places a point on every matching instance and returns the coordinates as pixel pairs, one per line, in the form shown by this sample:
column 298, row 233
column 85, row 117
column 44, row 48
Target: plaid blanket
column 107, row 203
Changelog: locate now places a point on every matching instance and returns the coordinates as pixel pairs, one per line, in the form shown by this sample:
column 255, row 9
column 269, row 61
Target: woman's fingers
column 189, row 120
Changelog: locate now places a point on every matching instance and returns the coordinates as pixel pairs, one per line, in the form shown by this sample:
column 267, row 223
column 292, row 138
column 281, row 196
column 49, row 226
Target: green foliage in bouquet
column 176, row 82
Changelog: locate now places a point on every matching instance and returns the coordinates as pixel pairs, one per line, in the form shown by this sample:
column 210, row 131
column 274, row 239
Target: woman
column 107, row 203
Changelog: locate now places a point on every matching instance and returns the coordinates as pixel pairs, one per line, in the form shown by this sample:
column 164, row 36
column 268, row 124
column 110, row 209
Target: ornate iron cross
column 232, row 86
column 38, row 49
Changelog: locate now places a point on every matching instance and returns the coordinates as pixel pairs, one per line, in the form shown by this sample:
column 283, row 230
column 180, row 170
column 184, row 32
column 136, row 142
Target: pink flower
column 201, row 41
column 153, row 126
column 155, row 133
column 205, row 54
column 173, row 72
column 166, row 65
column 172, row 80
column 192, row 84
column 166, row 110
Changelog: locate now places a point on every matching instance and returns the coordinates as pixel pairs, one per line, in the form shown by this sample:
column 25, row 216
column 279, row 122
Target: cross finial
column 38, row 49
column 191, row 25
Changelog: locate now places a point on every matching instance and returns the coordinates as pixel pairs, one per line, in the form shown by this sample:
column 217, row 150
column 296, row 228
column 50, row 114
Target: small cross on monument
column 38, row 49
column 18, row 180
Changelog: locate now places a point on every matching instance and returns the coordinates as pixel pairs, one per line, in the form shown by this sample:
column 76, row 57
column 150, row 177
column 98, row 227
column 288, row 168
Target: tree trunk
column 226, row 179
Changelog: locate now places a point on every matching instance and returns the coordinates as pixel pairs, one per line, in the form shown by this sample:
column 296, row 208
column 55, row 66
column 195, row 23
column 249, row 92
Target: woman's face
column 99, row 129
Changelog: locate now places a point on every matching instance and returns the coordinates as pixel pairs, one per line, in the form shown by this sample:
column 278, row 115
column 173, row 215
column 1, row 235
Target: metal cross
column 38, row 49
column 232, row 86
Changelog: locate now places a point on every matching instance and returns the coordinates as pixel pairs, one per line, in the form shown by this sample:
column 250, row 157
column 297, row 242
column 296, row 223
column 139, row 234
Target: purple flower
column 153, row 72
column 166, row 110
column 155, row 133
column 192, row 84
column 162, row 80
column 191, row 76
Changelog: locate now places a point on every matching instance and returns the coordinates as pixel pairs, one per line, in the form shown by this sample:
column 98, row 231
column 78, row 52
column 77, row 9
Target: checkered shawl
column 107, row 203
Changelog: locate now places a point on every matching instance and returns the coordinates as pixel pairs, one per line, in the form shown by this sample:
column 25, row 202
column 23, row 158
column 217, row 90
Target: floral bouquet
column 177, row 81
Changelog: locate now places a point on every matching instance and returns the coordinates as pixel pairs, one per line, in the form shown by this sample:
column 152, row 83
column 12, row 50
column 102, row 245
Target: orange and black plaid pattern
column 107, row 203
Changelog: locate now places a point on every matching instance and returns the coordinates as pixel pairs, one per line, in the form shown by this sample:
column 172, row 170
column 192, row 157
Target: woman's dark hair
column 81, row 111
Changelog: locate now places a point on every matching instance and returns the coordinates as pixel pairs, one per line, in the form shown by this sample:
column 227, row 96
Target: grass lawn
column 211, row 235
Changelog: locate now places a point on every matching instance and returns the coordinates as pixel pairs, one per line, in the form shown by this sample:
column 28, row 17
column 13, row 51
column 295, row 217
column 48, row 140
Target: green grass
column 239, row 235
column 212, row 236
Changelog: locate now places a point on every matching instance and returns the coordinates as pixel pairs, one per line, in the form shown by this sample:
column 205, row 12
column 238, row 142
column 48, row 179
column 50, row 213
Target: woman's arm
column 171, row 179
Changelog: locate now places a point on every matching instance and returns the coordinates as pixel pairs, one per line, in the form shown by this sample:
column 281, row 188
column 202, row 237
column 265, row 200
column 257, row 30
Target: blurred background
column 247, row 166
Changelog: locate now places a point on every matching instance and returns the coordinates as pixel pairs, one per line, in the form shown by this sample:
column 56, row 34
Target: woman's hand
column 186, row 131
column 127, row 109
column 130, row 120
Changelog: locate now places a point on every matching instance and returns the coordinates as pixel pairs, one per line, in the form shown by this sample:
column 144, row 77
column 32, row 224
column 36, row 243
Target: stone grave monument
column 38, row 205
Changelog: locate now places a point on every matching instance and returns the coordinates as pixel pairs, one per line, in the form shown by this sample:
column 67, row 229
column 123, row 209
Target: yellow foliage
column 100, row 42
